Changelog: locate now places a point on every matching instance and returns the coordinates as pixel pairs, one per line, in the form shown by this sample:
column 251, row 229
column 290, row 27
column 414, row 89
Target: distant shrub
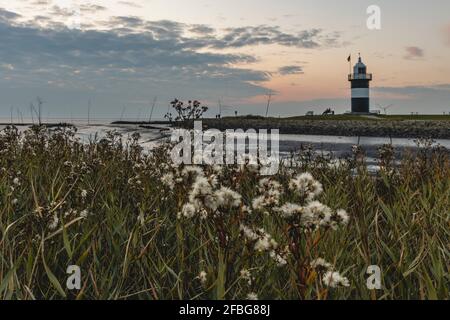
column 191, row 110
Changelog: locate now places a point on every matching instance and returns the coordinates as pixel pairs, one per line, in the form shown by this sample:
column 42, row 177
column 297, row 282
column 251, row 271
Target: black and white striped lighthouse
column 360, row 80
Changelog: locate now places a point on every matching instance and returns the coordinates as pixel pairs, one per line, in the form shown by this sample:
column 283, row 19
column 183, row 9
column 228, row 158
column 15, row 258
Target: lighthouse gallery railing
column 357, row 76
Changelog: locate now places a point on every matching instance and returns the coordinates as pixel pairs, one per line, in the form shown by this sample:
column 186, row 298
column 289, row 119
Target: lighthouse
column 360, row 81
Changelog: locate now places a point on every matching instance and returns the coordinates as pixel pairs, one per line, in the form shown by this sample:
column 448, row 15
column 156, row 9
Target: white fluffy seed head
column 228, row 198
column 252, row 296
column 168, row 180
column 334, row 279
column 203, row 277
column 306, row 186
column 343, row 216
column 188, row 211
column 289, row 210
column 320, row 263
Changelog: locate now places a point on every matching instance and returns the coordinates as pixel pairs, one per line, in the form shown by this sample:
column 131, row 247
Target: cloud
column 133, row 43
column 38, row 48
column 119, row 64
column 414, row 53
column 267, row 35
column 208, row 37
column 162, row 44
column 288, row 70
column 61, row 11
column 91, row 8
column 8, row 16
column 130, row 4
column 126, row 58
column 202, row 29
column 61, row 6
column 202, row 36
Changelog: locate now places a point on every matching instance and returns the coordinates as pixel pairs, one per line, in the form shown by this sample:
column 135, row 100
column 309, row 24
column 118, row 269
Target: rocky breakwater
column 435, row 129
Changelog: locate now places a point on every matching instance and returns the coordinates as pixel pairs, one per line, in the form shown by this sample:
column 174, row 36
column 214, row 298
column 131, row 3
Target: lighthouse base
column 370, row 113
column 360, row 104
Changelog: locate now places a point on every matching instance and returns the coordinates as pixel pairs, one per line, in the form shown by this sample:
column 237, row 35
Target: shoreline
column 319, row 126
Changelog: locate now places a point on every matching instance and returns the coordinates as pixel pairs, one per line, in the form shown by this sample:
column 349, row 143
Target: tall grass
column 116, row 212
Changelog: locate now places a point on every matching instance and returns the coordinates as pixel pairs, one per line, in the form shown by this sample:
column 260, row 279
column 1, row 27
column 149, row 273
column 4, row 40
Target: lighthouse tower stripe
column 360, row 83
column 360, row 93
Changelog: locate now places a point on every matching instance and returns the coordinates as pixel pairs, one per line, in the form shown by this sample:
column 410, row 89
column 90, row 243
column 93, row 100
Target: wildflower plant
column 216, row 207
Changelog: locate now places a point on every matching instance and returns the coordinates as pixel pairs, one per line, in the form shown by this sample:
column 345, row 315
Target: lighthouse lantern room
column 360, row 80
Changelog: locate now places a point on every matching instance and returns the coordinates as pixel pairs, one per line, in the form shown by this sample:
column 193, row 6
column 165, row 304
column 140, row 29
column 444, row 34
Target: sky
column 123, row 55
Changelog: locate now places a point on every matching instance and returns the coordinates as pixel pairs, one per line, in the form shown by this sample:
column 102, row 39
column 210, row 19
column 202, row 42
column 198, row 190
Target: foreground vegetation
column 141, row 228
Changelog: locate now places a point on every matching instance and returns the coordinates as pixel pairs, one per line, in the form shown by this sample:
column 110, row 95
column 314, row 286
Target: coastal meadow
column 140, row 227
